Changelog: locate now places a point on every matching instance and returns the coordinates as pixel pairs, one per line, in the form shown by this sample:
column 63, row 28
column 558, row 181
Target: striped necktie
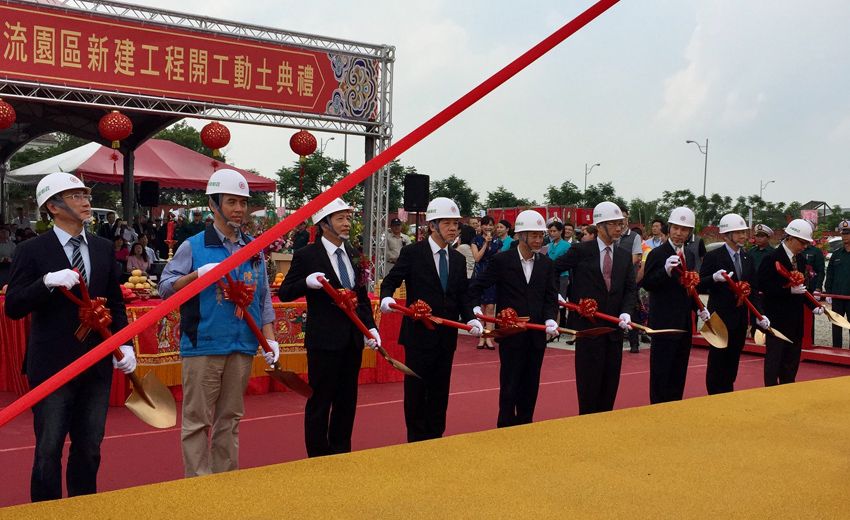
column 77, row 257
column 343, row 270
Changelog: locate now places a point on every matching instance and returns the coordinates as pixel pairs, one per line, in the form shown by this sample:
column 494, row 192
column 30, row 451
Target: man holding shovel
column 39, row 268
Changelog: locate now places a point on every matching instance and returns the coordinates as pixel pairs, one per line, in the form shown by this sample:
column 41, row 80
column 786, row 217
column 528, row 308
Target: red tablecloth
column 157, row 350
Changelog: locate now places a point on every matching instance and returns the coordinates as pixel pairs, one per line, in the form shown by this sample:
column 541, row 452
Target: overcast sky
column 764, row 81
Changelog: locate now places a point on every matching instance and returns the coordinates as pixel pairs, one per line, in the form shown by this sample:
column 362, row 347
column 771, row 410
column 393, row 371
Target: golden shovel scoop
column 398, row 365
column 656, row 331
column 152, row 401
column 836, row 318
column 715, row 332
column 290, row 379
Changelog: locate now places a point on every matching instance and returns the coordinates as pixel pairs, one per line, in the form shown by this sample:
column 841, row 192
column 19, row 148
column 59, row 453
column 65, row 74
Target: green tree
column 502, row 198
column 601, row 192
column 567, row 194
column 320, row 173
column 643, row 211
column 459, row 191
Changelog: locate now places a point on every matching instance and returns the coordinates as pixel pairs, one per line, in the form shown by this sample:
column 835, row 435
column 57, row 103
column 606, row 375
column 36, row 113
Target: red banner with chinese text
column 67, row 48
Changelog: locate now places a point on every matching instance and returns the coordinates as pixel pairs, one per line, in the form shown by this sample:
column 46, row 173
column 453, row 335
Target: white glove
column 477, row 310
column 65, row 278
column 828, row 300
column 763, row 323
column 718, row 276
column 313, row 280
column 552, row 328
column 204, row 269
column 385, row 304
column 704, row 315
column 672, row 261
column 477, row 329
column 128, row 362
column 817, row 311
column 817, row 296
column 561, row 299
column 374, row 341
column 625, row 321
column 798, row 289
column 274, row 355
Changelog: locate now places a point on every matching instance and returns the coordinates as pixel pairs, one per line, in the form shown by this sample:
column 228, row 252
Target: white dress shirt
column 602, row 247
column 435, row 251
column 331, row 249
column 65, row 240
column 527, row 265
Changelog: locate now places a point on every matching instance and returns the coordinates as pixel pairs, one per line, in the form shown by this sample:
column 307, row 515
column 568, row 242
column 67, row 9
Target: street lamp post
column 323, row 144
column 586, row 173
column 763, row 186
column 704, row 152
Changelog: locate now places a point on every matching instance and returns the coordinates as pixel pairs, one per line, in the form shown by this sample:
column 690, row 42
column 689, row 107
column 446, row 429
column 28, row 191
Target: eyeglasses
column 616, row 224
column 78, row 196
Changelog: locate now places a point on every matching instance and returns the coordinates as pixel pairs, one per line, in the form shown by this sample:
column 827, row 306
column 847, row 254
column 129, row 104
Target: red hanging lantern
column 7, row 115
column 215, row 135
column 115, row 127
column 303, row 143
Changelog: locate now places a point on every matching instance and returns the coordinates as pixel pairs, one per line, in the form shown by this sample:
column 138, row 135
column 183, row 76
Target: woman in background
column 464, row 247
column 484, row 246
column 504, row 232
column 138, row 259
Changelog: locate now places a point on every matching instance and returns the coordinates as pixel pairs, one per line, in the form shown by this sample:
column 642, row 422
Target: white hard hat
column 227, row 181
column 606, row 211
column 441, row 207
column 799, row 228
column 732, row 222
column 529, row 220
column 55, row 183
column 682, row 217
column 337, row 205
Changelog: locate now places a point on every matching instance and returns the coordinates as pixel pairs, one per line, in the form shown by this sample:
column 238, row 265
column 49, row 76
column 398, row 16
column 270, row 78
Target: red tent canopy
column 168, row 163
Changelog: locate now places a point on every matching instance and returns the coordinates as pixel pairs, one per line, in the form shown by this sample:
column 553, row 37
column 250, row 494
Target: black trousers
column 519, row 382
column 841, row 307
column 77, row 409
column 329, row 414
column 722, row 369
column 427, row 399
column 781, row 360
column 668, row 367
column 598, row 364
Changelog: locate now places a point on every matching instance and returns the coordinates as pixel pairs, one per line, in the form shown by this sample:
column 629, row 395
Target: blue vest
column 208, row 323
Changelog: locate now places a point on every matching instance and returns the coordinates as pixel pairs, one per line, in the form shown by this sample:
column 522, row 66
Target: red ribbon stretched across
column 150, row 318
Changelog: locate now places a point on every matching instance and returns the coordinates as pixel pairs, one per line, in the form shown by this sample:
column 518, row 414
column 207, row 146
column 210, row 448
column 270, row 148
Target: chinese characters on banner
column 48, row 46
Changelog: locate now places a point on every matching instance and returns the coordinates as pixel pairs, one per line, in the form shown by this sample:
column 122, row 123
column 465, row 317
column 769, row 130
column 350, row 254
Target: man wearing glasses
column 62, row 258
column 783, row 305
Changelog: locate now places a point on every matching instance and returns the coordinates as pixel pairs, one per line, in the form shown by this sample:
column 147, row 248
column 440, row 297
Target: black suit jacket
column 327, row 326
column 536, row 299
column 721, row 297
column 785, row 310
column 586, row 281
column 107, row 230
column 52, row 344
column 670, row 305
column 415, row 267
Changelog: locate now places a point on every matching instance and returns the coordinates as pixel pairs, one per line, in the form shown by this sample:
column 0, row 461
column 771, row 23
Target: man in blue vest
column 217, row 347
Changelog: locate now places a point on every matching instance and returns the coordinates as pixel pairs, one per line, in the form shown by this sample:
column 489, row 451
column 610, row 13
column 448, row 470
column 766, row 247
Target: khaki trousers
column 213, row 388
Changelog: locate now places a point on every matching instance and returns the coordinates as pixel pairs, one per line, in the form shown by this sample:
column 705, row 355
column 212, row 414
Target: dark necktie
column 343, row 270
column 607, row 267
column 77, row 257
column 738, row 268
column 444, row 270
column 794, row 262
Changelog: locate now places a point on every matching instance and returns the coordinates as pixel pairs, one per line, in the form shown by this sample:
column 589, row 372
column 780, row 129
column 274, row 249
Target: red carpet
column 272, row 430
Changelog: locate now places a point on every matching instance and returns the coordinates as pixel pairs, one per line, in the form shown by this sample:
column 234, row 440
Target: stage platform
column 780, row 452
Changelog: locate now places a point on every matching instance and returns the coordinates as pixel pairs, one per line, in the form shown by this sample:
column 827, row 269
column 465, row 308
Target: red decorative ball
column 215, row 135
column 303, row 143
column 7, row 115
column 115, row 126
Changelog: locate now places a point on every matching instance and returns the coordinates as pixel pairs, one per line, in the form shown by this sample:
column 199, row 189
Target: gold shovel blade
column 656, row 331
column 398, row 365
column 714, row 331
column 779, row 335
column 760, row 338
column 290, row 379
column 163, row 414
column 592, row 333
column 836, row 318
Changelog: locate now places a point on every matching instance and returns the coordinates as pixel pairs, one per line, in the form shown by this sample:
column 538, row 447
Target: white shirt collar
column 731, row 251
column 602, row 245
column 788, row 252
column 331, row 248
column 64, row 236
column 435, row 248
column 521, row 259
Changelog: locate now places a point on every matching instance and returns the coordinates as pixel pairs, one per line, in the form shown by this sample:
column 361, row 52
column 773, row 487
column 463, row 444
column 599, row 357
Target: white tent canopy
column 64, row 162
